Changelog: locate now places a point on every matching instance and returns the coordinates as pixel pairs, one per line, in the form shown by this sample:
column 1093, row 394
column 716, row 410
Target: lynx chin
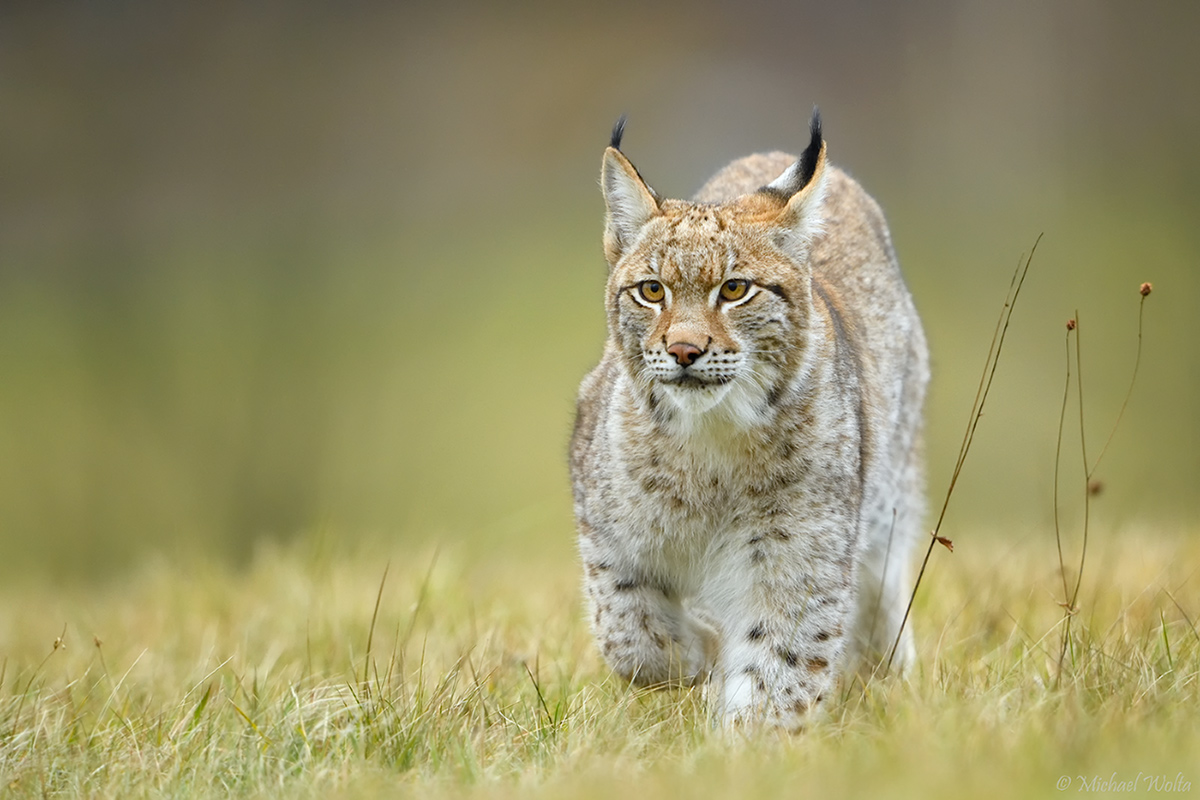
column 746, row 460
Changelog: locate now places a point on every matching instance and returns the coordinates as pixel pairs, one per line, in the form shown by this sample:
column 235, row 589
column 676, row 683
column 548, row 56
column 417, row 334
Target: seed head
column 1071, row 324
column 1147, row 288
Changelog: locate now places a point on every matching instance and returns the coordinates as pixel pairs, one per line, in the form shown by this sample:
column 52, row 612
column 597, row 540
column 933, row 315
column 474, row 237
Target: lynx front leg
column 643, row 631
column 785, row 633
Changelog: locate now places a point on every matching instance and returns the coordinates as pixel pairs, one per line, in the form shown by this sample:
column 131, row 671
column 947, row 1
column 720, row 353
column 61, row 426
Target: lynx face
column 701, row 313
column 701, row 295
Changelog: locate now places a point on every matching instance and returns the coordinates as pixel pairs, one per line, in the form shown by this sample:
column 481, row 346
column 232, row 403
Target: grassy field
column 479, row 679
column 296, row 294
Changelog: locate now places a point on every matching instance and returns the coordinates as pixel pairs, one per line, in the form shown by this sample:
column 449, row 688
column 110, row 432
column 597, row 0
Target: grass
column 462, row 665
column 336, row 666
column 203, row 680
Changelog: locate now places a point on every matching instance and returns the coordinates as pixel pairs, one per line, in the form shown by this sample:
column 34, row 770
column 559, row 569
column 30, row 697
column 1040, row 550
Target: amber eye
column 652, row 291
column 734, row 290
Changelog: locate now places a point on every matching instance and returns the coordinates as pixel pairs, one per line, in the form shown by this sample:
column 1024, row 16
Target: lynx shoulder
column 746, row 460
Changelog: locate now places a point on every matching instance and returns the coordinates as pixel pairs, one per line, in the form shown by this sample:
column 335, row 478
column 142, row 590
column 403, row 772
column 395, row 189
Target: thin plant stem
column 1062, row 417
column 1071, row 596
column 985, row 385
column 1086, row 474
column 1137, row 362
column 371, row 633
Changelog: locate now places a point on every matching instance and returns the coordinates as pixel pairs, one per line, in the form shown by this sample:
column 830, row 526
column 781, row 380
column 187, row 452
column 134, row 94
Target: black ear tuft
column 808, row 159
column 617, row 133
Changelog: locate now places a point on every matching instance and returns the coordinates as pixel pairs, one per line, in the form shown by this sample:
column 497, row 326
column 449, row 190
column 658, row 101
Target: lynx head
column 709, row 303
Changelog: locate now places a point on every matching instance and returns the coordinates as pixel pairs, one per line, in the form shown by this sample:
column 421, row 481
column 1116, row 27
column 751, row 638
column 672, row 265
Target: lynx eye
column 652, row 291
column 734, row 290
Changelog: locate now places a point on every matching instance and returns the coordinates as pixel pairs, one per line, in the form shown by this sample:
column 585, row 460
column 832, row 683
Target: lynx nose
column 684, row 352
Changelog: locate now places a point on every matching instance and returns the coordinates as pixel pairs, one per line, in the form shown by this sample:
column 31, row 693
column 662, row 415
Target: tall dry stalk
column 1070, row 601
column 985, row 385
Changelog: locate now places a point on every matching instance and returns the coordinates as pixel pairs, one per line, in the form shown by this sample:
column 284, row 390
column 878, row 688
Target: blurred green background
column 276, row 268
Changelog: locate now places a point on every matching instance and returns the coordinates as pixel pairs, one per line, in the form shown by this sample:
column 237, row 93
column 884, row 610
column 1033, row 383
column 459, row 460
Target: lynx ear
column 801, row 188
column 629, row 201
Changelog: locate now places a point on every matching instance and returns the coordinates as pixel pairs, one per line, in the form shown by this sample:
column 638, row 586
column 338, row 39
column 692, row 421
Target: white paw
column 738, row 699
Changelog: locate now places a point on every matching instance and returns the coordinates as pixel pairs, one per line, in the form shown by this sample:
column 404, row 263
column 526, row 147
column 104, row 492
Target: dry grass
column 482, row 680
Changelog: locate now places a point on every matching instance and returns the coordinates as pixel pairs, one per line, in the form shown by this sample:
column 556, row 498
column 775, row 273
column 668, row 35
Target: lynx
column 746, row 460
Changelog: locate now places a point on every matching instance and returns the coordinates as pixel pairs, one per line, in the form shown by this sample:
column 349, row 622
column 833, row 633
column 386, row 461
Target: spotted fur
column 747, row 472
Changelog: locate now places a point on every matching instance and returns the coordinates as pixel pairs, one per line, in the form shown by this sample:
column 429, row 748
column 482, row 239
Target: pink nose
column 684, row 352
